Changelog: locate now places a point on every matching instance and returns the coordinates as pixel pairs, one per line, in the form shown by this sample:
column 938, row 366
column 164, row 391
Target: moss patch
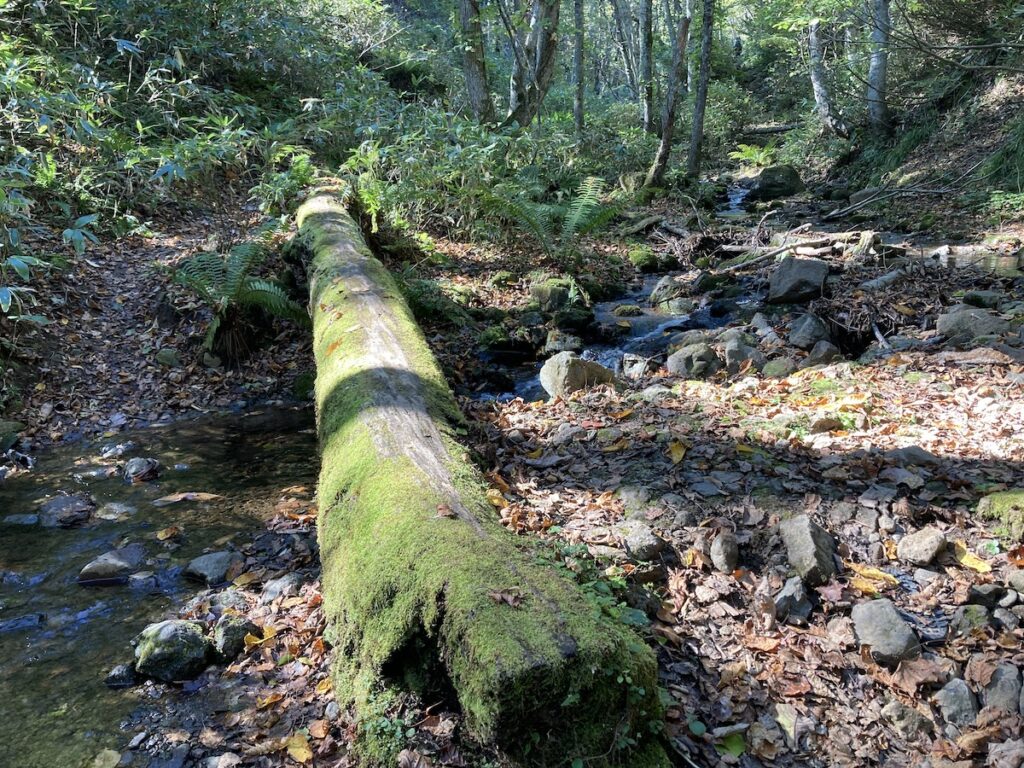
column 1008, row 508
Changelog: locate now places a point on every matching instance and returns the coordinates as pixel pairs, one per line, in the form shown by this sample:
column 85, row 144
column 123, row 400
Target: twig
column 780, row 250
column 881, row 337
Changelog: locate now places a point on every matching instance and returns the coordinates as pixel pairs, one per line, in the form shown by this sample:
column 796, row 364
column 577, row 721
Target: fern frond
column 205, row 273
column 583, row 209
column 257, row 292
column 525, row 214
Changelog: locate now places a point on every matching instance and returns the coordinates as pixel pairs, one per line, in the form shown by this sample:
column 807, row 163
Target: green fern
column 226, row 283
column 522, row 213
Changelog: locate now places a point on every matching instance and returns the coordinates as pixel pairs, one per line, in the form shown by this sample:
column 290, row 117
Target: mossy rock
column 502, row 279
column 644, row 259
column 627, row 310
column 1008, row 508
column 600, row 289
column 9, row 433
column 552, row 294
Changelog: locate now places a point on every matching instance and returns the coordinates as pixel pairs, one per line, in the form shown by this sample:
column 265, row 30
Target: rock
column 282, row 586
column 879, row 625
column 1015, row 579
column 22, row 623
column 552, row 294
column 9, row 433
column 169, row 357
column 965, row 324
column 1006, row 619
column 559, row 341
column 112, row 567
column 141, row 470
column 627, row 310
column 738, row 355
column 924, row 577
column 121, row 676
column 639, row 540
column 823, row 353
column 966, row 619
column 1008, row 508
column 921, row 547
column 912, row 456
column 809, row 548
column 987, row 595
column 792, row 603
column 637, row 366
column 213, row 568
column 172, row 650
column 66, row 511
column 957, row 703
column 1009, row 599
column 1009, row 754
column 824, row 424
column 1004, row 688
column 796, row 280
column 668, row 288
column 779, row 368
column 575, row 318
column 697, row 361
column 725, row 552
column 774, row 182
column 566, row 373
column 115, row 510
column 983, row 299
column 21, row 520
column 144, row 581
column 862, row 195
column 806, row 331
column 908, row 722
column 229, row 636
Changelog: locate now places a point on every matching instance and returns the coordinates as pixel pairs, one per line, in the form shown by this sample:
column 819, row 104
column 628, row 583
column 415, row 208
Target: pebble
column 725, row 552
column 1005, row 618
column 1015, row 579
column 792, row 604
column 879, row 625
column 1009, row 599
column 282, row 586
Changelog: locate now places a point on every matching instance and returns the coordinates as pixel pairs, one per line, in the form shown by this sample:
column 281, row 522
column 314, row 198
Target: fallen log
column 423, row 588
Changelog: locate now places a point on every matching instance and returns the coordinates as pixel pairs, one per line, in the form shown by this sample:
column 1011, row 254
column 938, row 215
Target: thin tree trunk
column 474, row 64
column 831, row 118
column 647, row 64
column 878, row 110
column 676, row 78
column 535, row 62
column 622, row 37
column 577, row 66
column 700, row 106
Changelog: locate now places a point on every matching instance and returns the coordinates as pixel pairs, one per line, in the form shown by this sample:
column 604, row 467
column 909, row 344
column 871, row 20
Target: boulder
column 172, row 650
column 566, row 373
column 112, row 567
column 864, row 194
column 559, row 341
column 214, row 567
column 696, row 361
column 552, row 294
column 779, row 368
column 229, row 636
column 879, row 625
column 922, row 547
column 806, row 331
column 9, row 433
column 796, row 280
column 809, row 548
column 964, row 324
column 669, row 287
column 774, row 182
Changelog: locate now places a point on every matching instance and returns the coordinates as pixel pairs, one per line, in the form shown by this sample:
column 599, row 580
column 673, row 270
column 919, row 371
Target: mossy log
column 425, row 591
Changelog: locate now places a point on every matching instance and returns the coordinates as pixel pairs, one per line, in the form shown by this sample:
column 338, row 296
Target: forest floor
column 647, row 483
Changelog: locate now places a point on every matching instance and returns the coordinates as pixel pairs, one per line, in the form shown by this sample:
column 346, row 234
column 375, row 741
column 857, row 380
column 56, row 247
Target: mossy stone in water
column 172, row 650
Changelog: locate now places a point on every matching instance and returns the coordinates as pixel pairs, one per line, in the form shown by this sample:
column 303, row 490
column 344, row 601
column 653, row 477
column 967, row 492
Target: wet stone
column 957, row 703
column 121, row 676
column 141, row 470
column 214, row 567
column 879, row 625
column 66, row 511
column 21, row 520
column 172, row 650
column 809, row 548
column 229, row 636
column 112, row 567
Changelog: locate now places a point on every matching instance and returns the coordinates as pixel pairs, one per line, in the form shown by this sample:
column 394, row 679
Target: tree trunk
column 577, row 65
column 673, row 91
column 878, row 110
column 423, row 589
column 535, row 62
column 623, row 38
column 700, row 106
column 647, row 65
column 474, row 63
column 831, row 119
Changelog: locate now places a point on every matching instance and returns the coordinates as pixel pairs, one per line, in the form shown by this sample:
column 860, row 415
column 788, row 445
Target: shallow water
column 57, row 712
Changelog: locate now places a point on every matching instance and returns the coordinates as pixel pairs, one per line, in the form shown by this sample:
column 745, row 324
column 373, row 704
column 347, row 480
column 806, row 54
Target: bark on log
column 423, row 588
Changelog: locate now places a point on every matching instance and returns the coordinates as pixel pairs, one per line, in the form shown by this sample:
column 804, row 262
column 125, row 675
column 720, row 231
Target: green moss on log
column 412, row 563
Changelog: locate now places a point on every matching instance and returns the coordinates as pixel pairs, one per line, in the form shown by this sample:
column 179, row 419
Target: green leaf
column 734, row 744
column 6, row 298
column 19, row 266
column 697, row 728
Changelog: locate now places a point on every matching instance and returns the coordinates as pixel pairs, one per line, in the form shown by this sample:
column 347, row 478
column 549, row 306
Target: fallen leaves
column 176, row 498
column 297, row 746
column 968, row 559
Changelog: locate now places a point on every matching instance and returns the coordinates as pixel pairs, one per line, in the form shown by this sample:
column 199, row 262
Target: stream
column 58, row 638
